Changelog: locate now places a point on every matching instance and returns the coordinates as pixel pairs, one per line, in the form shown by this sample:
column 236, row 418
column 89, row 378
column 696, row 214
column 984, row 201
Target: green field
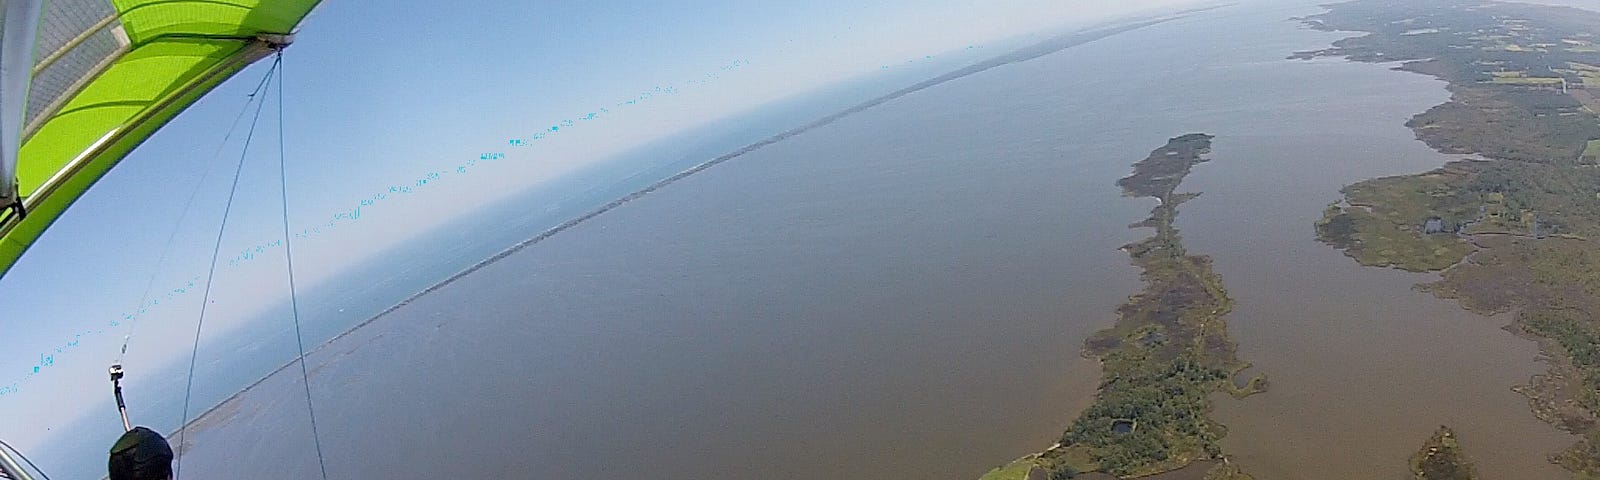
column 1591, row 150
column 1383, row 224
column 1499, row 80
column 1017, row 470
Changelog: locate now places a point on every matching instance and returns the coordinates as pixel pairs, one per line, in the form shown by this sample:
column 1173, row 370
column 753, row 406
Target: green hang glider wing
column 108, row 73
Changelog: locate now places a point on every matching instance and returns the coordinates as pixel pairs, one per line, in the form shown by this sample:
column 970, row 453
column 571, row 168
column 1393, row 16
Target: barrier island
column 1162, row 360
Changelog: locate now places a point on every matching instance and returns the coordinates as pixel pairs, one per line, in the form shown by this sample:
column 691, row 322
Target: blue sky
column 379, row 94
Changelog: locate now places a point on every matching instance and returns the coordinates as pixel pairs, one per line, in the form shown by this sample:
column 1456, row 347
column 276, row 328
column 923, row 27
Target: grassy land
column 1591, row 151
column 1442, row 459
column 1507, row 80
column 1521, row 223
column 1016, row 470
column 1549, row 275
column 1507, row 122
column 1499, row 108
column 1168, row 351
column 1383, row 224
column 1552, row 284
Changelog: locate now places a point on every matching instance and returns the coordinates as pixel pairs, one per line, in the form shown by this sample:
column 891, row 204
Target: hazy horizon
column 385, row 98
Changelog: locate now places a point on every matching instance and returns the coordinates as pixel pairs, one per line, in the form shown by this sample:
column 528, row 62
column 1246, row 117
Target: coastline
column 1509, row 232
column 1163, row 358
column 1046, row 47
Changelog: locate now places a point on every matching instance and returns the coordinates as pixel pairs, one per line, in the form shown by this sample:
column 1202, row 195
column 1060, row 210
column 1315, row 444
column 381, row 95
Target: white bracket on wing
column 19, row 30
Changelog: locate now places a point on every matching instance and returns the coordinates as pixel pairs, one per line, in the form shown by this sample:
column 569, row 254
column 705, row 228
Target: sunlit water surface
column 903, row 294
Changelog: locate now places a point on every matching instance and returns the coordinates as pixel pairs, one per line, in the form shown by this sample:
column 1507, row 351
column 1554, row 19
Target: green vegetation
column 1579, row 340
column 1517, row 227
column 1373, row 240
column 1509, row 80
column 1402, row 222
column 1227, row 471
column 1166, row 354
column 1383, row 221
column 1507, row 101
column 1525, row 232
column 1016, row 470
column 1551, row 283
column 1591, row 152
column 1441, row 459
column 1508, row 122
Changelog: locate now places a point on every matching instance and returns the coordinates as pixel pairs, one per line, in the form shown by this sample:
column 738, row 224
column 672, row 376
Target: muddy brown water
column 903, row 294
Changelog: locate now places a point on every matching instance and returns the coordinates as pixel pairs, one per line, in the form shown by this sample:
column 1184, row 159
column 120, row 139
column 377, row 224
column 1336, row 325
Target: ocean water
column 903, row 293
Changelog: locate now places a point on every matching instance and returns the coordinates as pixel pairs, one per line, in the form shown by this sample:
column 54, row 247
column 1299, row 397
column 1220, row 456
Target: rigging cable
column 187, row 207
column 288, row 256
column 25, row 459
column 183, row 426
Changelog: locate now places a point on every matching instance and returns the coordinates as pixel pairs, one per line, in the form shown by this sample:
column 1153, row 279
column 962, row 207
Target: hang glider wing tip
column 84, row 114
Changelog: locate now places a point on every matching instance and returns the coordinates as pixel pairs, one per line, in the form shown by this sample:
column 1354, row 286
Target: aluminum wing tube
column 110, row 74
column 19, row 29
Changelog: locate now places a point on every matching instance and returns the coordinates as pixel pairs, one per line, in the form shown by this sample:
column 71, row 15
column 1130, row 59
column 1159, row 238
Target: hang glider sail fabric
column 107, row 74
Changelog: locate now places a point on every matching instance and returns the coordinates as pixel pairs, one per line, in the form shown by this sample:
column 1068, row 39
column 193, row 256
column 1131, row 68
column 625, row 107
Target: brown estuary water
column 903, row 294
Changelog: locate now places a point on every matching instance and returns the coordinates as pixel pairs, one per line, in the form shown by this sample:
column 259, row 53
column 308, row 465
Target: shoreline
column 1162, row 360
column 1506, row 233
column 1046, row 47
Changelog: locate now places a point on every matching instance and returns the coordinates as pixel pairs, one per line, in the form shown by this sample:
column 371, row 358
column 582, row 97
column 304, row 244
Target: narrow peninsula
column 1162, row 360
column 1513, row 230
